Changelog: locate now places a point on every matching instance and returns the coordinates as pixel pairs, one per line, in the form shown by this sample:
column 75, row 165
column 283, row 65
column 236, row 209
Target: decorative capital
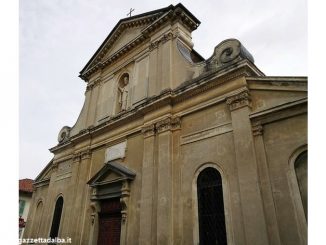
column 86, row 154
column 76, row 157
column 239, row 100
column 124, row 199
column 89, row 86
column 55, row 166
column 176, row 123
column 226, row 53
column 162, row 40
column 93, row 84
column 257, row 129
column 148, row 130
column 163, row 125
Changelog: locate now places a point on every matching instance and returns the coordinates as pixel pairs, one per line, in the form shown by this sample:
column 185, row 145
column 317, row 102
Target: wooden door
column 110, row 222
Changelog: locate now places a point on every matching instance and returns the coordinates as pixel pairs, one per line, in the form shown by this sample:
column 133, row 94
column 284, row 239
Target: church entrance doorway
column 109, row 222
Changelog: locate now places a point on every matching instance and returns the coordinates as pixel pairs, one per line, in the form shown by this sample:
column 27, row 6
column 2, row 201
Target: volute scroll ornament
column 64, row 134
column 228, row 52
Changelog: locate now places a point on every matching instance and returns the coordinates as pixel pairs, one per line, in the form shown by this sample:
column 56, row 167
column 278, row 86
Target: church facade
column 170, row 148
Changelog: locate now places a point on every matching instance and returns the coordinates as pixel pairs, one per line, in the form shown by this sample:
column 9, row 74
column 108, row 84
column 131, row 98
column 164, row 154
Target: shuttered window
column 21, row 207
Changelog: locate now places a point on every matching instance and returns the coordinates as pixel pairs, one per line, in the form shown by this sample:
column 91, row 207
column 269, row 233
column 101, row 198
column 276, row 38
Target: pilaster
column 176, row 182
column 165, row 129
column 81, row 162
column 265, row 185
column 94, row 227
column 251, row 200
column 124, row 200
column 147, row 190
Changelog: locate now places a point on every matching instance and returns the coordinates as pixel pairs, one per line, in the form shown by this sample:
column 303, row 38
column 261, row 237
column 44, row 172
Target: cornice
column 299, row 84
column 280, row 112
column 40, row 183
column 189, row 89
column 169, row 123
column 165, row 124
column 93, row 84
column 54, row 166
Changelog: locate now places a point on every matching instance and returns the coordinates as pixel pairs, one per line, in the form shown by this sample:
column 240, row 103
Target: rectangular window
column 21, row 207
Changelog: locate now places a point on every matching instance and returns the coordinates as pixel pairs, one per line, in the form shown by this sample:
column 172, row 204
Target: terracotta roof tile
column 26, row 185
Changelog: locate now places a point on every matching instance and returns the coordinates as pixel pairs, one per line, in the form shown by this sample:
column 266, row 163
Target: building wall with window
column 25, row 198
column 163, row 129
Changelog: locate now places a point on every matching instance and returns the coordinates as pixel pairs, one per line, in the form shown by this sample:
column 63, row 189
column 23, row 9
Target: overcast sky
column 58, row 37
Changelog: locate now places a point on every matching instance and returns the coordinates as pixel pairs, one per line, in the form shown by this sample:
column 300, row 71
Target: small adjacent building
column 172, row 148
column 25, row 198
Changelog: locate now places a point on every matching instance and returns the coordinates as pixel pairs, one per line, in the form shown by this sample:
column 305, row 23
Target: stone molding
column 189, row 89
column 169, row 123
column 124, row 200
column 176, row 123
column 206, row 133
column 76, row 157
column 54, row 166
column 93, row 84
column 239, row 100
column 257, row 129
column 148, row 130
column 86, row 154
column 163, row 125
column 95, row 208
column 162, row 40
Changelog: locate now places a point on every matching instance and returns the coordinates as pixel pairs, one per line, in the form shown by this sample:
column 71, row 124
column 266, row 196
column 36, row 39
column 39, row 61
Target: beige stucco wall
column 207, row 136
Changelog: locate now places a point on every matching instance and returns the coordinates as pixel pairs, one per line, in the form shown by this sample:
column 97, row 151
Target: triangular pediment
column 44, row 177
column 110, row 177
column 130, row 32
column 125, row 31
column 111, row 172
column 126, row 36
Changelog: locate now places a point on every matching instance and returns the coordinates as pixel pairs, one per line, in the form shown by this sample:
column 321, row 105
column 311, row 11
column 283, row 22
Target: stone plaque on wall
column 116, row 151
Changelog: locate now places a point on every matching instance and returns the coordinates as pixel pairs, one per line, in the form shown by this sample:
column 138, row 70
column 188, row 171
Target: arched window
column 38, row 216
column 56, row 218
column 211, row 208
column 301, row 171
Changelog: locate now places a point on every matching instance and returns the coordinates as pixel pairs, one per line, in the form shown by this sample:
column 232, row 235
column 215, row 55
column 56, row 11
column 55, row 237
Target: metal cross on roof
column 131, row 10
